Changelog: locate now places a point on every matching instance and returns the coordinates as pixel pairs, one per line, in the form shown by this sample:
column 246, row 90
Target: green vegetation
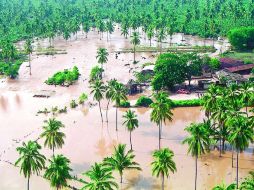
column 186, row 103
column 10, row 69
column 247, row 57
column 65, row 78
column 96, row 73
column 144, row 101
column 73, row 104
column 124, row 104
column 242, row 38
column 143, row 77
column 171, row 69
column 82, row 98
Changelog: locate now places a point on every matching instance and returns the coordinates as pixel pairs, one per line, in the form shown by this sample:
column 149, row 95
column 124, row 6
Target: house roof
column 240, row 68
column 229, row 62
column 230, row 77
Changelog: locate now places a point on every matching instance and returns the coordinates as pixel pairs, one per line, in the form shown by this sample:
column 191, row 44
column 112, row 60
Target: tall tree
column 121, row 160
column 54, row 138
column 240, row 136
column 100, row 178
column 135, row 40
column 161, row 111
column 198, row 143
column 131, row 122
column 58, row 172
column 98, row 89
column 119, row 94
column 102, row 56
column 29, row 51
column 163, row 164
column 30, row 160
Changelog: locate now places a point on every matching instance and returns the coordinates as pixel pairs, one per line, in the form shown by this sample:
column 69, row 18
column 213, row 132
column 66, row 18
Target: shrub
column 144, row 101
column 187, row 103
column 82, row 98
column 125, row 104
column 96, row 73
column 10, row 69
column 242, row 38
column 67, row 76
column 73, row 104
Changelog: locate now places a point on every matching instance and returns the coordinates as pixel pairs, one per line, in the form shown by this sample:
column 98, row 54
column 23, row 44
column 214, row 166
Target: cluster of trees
column 199, row 17
column 242, row 38
column 67, row 77
column 171, row 69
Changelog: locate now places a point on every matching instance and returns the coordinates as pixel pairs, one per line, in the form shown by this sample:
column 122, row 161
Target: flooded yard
column 87, row 140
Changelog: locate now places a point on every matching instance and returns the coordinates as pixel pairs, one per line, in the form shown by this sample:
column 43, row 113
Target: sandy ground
column 87, row 140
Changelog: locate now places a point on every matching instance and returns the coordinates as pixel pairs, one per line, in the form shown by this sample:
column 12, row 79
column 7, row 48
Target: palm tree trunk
column 107, row 111
column 237, row 154
column 134, row 54
column 246, row 109
column 53, row 151
column 121, row 178
column 220, row 140
column 159, row 136
column 162, row 182
column 116, row 118
column 100, row 110
column 232, row 156
column 30, row 70
column 28, row 183
column 130, row 140
column 196, row 173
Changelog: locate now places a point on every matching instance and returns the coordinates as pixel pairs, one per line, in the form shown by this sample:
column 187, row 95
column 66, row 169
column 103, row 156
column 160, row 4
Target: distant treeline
column 22, row 19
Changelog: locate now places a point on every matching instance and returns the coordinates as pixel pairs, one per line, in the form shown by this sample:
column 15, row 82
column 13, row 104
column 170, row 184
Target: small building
column 225, row 77
column 149, row 69
column 229, row 62
column 242, row 69
column 132, row 87
column 204, row 84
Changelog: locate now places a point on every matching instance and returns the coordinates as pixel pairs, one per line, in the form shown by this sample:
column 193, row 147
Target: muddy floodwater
column 87, row 140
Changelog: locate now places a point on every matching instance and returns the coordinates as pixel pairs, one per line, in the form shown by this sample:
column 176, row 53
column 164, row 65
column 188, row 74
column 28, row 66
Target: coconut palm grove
column 127, row 94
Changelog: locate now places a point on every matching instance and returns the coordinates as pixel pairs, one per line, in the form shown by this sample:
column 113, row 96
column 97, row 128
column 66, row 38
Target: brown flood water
column 87, row 140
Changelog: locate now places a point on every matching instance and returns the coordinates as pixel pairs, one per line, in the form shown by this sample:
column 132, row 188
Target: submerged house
column 225, row 77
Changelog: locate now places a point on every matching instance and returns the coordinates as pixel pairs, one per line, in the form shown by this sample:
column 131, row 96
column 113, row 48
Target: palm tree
column 223, row 186
column 54, row 138
column 30, row 160
column 131, row 122
column 121, row 160
column 58, row 172
column 102, row 56
column 135, row 40
column 109, row 93
column 246, row 95
column 29, row 51
column 240, row 136
column 100, row 178
column 150, row 35
column 119, row 94
column 161, row 111
column 160, row 37
column 98, row 90
column 163, row 163
column 198, row 143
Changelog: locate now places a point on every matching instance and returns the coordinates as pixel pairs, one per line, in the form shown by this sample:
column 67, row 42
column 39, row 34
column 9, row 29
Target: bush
column 144, row 101
column 96, row 73
column 187, row 103
column 73, row 104
column 125, row 104
column 82, row 98
column 10, row 69
column 242, row 38
column 67, row 76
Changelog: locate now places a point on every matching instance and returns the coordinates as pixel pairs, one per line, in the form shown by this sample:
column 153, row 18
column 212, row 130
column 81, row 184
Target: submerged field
column 87, row 140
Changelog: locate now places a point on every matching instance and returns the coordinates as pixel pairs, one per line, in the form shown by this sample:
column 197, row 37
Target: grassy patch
column 247, row 57
column 50, row 51
column 187, row 103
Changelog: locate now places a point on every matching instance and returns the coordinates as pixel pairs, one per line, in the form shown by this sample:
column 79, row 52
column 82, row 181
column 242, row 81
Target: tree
column 109, row 28
column 98, row 89
column 161, row 111
column 223, row 186
column 240, row 136
column 29, row 51
column 161, row 35
column 54, row 138
column 198, row 143
column 150, row 35
column 109, row 93
column 163, row 164
column 135, row 40
column 121, row 160
column 58, row 172
column 170, row 69
column 100, row 178
column 131, row 122
column 246, row 95
column 102, row 56
column 30, row 160
column 119, row 94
